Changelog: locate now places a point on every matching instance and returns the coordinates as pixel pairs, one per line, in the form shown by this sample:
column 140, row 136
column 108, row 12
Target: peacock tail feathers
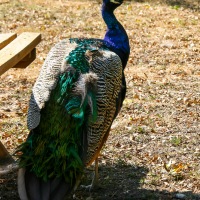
column 53, row 148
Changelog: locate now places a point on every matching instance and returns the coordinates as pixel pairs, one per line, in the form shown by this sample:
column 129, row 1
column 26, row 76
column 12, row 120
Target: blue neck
column 116, row 37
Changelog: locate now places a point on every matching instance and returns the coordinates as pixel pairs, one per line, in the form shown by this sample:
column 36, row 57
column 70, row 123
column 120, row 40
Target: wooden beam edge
column 10, row 37
column 27, row 60
column 27, row 49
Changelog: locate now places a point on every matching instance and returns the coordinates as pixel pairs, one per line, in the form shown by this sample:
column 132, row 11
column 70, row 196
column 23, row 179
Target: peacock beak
column 117, row 1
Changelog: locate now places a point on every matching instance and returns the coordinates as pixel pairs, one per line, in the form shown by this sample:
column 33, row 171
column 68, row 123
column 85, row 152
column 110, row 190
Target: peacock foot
column 87, row 187
column 95, row 179
column 93, row 185
column 90, row 187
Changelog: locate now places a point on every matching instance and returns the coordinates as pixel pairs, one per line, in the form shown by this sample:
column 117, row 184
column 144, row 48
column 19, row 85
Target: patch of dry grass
column 153, row 150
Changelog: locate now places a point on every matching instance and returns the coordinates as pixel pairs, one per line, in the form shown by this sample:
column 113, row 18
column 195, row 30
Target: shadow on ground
column 123, row 182
column 117, row 182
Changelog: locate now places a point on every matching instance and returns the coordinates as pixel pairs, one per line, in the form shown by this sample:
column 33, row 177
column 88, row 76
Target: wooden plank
column 27, row 60
column 17, row 50
column 3, row 152
column 7, row 163
column 6, row 39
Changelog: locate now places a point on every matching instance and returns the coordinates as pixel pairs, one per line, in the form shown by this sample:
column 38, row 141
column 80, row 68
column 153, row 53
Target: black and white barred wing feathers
column 108, row 68
column 53, row 66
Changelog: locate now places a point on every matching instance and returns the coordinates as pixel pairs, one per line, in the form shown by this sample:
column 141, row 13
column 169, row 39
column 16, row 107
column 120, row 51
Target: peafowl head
column 112, row 4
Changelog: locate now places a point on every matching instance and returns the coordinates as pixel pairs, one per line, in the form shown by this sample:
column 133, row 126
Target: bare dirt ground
column 153, row 151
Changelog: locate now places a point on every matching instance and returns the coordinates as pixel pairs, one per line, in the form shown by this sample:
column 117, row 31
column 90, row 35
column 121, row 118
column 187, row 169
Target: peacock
column 76, row 97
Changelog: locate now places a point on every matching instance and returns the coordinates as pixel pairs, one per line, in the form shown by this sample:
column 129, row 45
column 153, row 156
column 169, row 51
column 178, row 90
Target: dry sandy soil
column 153, row 151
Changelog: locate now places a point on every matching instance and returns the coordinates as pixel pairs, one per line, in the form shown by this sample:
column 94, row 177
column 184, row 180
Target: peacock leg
column 95, row 178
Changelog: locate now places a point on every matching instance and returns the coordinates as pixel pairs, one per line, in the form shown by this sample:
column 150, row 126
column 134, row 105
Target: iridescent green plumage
column 53, row 149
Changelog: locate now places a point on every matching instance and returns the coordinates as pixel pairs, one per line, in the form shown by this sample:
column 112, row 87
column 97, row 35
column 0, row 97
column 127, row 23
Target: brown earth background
column 153, row 151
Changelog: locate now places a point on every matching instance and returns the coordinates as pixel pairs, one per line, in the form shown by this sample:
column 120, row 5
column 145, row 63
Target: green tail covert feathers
column 60, row 154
